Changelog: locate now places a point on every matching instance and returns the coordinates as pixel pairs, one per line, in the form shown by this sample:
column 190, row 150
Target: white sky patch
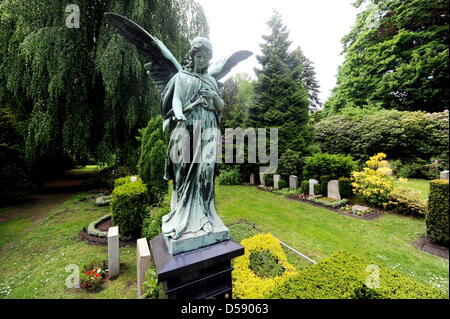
column 317, row 26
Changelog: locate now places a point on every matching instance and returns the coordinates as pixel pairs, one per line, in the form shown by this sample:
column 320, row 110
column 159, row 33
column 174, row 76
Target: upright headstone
column 142, row 263
column 252, row 179
column 276, row 179
column 333, row 189
column 444, row 175
column 312, row 182
column 293, row 182
column 113, row 252
column 261, row 179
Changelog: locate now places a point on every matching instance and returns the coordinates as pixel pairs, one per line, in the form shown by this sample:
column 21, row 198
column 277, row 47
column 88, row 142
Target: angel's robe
column 193, row 172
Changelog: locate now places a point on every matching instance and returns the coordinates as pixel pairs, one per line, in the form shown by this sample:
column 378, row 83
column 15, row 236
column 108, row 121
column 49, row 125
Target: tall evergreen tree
column 304, row 73
column 280, row 100
column 82, row 93
column 396, row 57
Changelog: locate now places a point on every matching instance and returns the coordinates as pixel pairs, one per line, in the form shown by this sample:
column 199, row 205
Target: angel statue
column 190, row 100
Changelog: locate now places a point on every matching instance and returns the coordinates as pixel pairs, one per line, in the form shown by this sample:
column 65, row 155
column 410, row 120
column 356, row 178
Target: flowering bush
column 92, row 278
column 372, row 183
column 246, row 283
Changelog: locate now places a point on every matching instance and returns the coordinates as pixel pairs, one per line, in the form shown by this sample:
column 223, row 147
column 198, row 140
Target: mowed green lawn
column 420, row 185
column 318, row 232
column 35, row 252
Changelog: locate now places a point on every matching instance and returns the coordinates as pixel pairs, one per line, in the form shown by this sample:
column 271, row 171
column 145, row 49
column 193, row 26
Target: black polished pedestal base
column 204, row 273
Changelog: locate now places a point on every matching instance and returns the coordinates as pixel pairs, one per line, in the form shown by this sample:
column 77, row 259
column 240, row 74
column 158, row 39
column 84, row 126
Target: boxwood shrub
column 437, row 216
column 324, row 184
column 230, row 177
column 127, row 179
column 304, row 187
column 343, row 276
column 345, row 187
column 128, row 207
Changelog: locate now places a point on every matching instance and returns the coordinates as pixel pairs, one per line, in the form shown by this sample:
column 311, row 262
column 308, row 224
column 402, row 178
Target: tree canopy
column 396, row 57
column 81, row 94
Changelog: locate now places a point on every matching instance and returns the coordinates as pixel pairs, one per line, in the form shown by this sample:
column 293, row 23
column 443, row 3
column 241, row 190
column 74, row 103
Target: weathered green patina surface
column 191, row 106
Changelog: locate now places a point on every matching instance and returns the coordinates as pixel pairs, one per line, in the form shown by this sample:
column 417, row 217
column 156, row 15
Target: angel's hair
column 189, row 60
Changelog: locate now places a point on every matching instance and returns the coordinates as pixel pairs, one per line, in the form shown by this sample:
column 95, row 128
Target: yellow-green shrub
column 344, row 276
column 372, row 183
column 246, row 284
column 127, row 179
column 437, row 217
column 407, row 201
column 128, row 207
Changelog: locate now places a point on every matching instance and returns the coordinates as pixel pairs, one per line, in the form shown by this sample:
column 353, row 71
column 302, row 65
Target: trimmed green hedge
column 343, row 276
column 127, row 179
column 304, row 187
column 345, row 187
column 324, row 185
column 437, row 216
column 230, row 177
column 128, row 207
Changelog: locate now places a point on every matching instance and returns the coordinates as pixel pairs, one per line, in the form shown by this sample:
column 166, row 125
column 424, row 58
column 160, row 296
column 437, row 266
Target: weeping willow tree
column 80, row 93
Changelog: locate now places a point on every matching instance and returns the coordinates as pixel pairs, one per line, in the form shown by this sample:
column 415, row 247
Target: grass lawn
column 318, row 232
column 420, row 185
column 34, row 251
column 33, row 259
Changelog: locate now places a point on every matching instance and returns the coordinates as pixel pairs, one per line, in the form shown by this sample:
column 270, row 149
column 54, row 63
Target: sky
column 317, row 26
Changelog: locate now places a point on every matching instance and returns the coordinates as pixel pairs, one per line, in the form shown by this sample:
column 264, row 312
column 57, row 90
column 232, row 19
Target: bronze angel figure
column 190, row 100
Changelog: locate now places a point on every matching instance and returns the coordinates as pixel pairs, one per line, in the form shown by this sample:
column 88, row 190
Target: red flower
column 97, row 275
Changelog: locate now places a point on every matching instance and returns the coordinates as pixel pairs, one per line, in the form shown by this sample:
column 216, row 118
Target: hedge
column 127, row 179
column 437, row 216
column 343, row 276
column 128, row 207
column 304, row 187
column 333, row 165
column 324, row 185
column 345, row 187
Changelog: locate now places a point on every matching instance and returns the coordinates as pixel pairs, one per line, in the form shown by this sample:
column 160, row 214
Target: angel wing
column 163, row 65
column 221, row 68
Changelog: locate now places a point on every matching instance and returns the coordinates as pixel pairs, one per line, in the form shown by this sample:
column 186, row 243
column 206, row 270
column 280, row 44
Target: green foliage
column 323, row 183
column 93, row 275
column 152, row 160
column 318, row 189
column 152, row 223
column 329, row 202
column 230, row 177
column 289, row 163
column 396, row 56
column 407, row 201
column 282, row 184
column 332, row 165
column 242, row 230
column 407, row 136
column 304, row 187
column 264, row 264
column 280, row 99
column 126, row 179
column 344, row 276
column 345, row 187
column 268, row 179
column 150, row 286
column 438, row 211
column 15, row 181
column 81, row 94
column 128, row 207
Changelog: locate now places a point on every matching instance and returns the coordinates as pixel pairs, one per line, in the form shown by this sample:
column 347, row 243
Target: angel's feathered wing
column 221, row 68
column 163, row 65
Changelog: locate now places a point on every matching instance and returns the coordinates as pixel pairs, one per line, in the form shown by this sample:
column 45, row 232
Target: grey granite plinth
column 192, row 241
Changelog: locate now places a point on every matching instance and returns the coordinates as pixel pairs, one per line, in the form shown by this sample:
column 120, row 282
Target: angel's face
column 201, row 60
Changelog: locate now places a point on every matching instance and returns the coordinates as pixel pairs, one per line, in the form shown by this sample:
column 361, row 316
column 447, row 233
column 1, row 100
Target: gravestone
column 276, row 179
column 360, row 208
column 113, row 252
column 262, row 182
column 293, row 182
column 312, row 182
column 252, row 179
column 142, row 263
column 444, row 175
column 333, row 189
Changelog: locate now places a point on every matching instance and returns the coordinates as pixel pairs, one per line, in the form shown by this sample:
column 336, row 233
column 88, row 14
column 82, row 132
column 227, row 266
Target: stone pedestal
column 204, row 273
column 113, row 252
column 143, row 258
column 333, row 189
column 276, row 179
column 261, row 180
column 293, row 182
column 444, row 175
column 252, row 179
column 312, row 182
